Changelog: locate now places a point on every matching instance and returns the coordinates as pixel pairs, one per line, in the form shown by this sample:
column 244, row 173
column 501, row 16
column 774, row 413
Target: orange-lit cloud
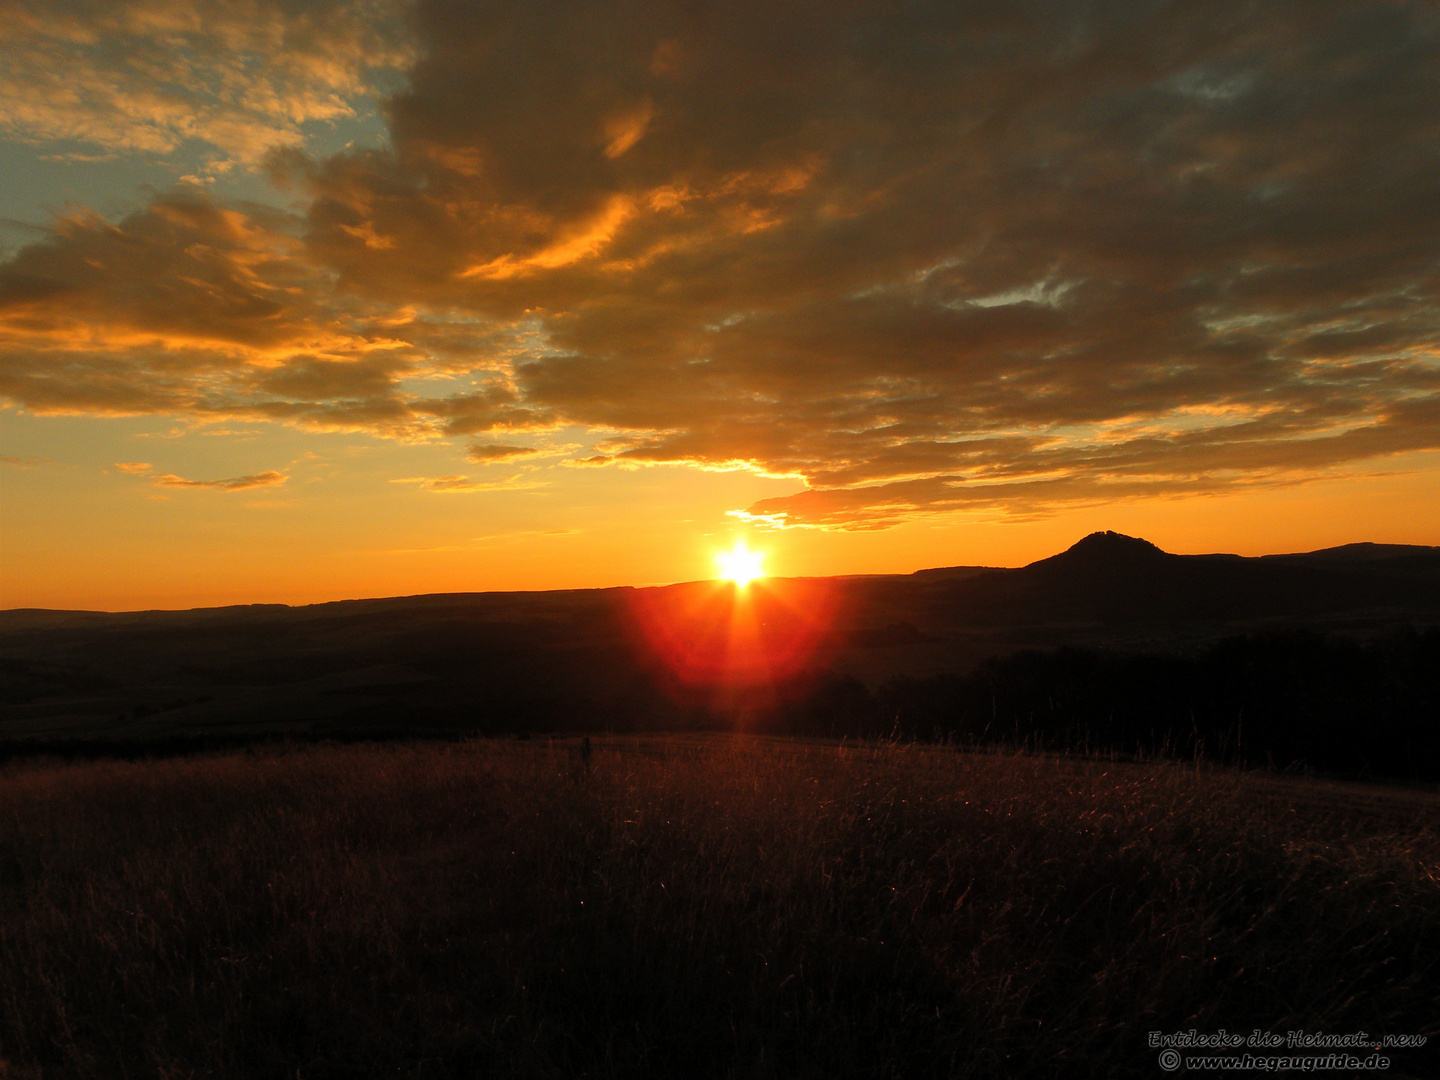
column 465, row 484
column 26, row 461
column 268, row 478
column 234, row 483
column 484, row 453
column 921, row 260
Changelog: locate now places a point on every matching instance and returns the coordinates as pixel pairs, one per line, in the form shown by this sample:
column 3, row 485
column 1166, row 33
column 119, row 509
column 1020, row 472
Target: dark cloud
column 919, row 256
column 187, row 306
column 496, row 406
column 183, row 268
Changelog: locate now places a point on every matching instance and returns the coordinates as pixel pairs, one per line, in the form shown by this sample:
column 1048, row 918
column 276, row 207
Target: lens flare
column 715, row 636
column 740, row 564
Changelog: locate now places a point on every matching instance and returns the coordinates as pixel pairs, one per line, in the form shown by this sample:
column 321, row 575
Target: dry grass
column 691, row 907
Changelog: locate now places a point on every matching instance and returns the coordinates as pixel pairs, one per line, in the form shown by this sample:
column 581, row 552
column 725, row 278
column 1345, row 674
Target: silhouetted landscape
column 965, row 822
column 1328, row 660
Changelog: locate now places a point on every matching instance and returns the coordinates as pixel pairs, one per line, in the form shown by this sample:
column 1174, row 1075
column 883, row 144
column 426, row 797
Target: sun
column 740, row 564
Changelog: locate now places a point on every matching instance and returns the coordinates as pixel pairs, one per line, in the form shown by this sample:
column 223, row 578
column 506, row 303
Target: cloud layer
column 919, row 257
column 241, row 76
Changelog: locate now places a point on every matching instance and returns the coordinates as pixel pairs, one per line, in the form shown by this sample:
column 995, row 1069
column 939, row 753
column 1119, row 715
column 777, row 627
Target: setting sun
column 740, row 564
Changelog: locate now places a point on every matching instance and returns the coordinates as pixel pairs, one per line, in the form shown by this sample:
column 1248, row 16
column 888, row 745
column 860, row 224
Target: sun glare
column 740, row 564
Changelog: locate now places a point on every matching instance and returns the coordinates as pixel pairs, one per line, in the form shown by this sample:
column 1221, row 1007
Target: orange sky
column 405, row 297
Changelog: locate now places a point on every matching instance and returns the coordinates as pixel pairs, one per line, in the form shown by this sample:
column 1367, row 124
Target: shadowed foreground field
column 694, row 907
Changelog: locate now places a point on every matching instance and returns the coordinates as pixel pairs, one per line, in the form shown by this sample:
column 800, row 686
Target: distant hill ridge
column 1114, row 578
column 1104, row 549
column 1113, row 547
column 1108, row 573
column 1107, row 547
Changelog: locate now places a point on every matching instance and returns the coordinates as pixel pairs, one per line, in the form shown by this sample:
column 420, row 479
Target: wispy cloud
column 269, row 478
column 23, row 461
column 234, row 483
column 455, row 484
column 488, row 453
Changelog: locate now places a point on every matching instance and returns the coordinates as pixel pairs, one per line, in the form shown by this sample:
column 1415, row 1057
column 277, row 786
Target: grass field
column 694, row 907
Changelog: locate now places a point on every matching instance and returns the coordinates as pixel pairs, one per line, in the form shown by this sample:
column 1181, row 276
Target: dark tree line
column 1286, row 700
column 1364, row 708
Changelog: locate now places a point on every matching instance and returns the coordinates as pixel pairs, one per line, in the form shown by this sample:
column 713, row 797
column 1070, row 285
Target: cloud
column 187, row 307
column 150, row 75
column 485, row 453
column 454, row 484
column 234, row 483
column 919, row 259
column 268, row 478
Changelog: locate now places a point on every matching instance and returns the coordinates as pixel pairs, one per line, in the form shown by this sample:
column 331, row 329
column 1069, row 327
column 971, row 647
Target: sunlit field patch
column 693, row 907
